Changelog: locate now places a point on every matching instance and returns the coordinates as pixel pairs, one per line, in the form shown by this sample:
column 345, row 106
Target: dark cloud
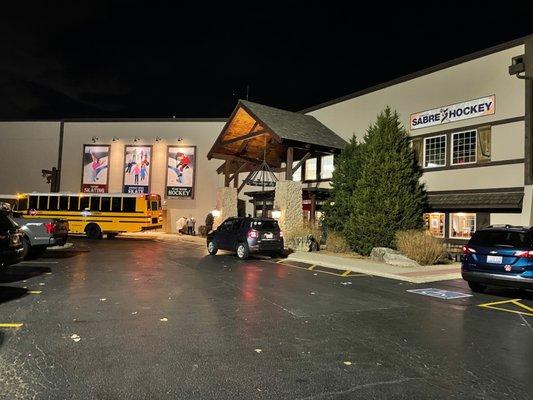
column 157, row 59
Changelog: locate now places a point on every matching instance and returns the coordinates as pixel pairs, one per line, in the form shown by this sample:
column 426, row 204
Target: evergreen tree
column 338, row 208
column 388, row 195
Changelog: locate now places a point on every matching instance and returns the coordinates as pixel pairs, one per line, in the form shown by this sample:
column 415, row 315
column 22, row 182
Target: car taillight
column 468, row 250
column 50, row 227
column 523, row 254
column 252, row 233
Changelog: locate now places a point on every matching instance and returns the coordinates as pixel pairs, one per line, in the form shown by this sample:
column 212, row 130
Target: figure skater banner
column 95, row 173
column 137, row 167
column 181, row 167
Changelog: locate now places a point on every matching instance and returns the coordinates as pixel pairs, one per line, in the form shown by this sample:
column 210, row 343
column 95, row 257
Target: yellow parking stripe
column 11, row 325
column 516, row 302
column 346, row 273
column 311, row 267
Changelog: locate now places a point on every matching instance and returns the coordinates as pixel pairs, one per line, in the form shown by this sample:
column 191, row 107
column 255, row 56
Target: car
column 40, row 233
column 500, row 255
column 11, row 247
column 246, row 236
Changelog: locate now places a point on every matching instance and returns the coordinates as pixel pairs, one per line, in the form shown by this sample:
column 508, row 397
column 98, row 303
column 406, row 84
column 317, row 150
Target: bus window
column 22, row 204
column 95, row 204
column 129, row 204
column 73, row 204
column 33, row 203
column 84, row 203
column 116, row 204
column 63, row 203
column 154, row 205
column 105, row 205
column 43, row 203
column 53, row 203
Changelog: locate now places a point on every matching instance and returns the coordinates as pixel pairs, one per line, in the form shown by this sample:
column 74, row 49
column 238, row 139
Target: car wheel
column 477, row 287
column 242, row 251
column 212, row 248
column 93, row 231
column 26, row 247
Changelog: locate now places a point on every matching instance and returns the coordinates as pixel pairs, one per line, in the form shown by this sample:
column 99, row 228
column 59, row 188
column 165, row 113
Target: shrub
column 336, row 243
column 202, row 230
column 420, row 246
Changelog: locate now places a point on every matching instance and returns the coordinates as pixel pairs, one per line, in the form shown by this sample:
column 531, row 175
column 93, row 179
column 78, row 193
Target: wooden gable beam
column 300, row 163
column 246, row 137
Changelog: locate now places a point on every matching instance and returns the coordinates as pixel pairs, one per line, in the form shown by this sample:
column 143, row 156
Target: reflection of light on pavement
column 249, row 288
column 281, row 271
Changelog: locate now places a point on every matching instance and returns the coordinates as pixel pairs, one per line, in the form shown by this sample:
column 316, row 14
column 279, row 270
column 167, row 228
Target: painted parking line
column 34, row 291
column 519, row 308
column 440, row 293
column 39, row 262
column 11, row 325
column 323, row 270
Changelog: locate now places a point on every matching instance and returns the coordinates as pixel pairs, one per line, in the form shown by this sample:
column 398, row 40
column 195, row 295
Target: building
column 469, row 119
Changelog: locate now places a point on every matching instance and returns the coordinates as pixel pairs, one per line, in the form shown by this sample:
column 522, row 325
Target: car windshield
column 265, row 225
column 502, row 239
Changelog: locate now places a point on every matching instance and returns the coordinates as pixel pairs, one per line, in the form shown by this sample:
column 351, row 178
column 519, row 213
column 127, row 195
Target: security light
column 95, row 139
column 115, row 139
column 158, row 139
column 517, row 66
column 215, row 213
column 180, row 139
column 137, row 139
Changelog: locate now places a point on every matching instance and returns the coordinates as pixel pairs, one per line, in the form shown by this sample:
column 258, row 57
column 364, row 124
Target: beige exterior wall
column 26, row 148
column 477, row 78
column 197, row 133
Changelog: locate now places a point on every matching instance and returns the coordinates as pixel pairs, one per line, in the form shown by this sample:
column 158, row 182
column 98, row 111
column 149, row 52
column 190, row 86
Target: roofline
column 426, row 71
column 65, row 120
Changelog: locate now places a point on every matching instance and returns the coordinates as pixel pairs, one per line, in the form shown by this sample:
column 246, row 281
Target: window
column 297, row 176
column 106, row 204
column 462, row 225
column 310, row 169
column 503, row 238
column 464, row 147
column 73, row 204
column 53, row 203
column 435, row 223
column 63, row 203
column 33, row 202
column 129, row 204
column 84, row 203
column 435, row 152
column 326, row 167
column 95, row 204
column 116, row 204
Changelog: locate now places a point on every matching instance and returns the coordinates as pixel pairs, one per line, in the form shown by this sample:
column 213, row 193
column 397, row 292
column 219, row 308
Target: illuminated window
column 464, row 147
column 326, row 167
column 435, row 151
column 297, row 176
column 310, row 169
column 435, row 223
column 462, row 225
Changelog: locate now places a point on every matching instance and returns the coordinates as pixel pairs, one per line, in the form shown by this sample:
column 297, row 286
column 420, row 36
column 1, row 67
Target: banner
column 181, row 168
column 455, row 112
column 137, row 168
column 95, row 168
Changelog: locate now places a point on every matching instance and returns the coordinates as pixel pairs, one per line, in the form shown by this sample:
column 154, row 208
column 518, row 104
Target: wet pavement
column 142, row 319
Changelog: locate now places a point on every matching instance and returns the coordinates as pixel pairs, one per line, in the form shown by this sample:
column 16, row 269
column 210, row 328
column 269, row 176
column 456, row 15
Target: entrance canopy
column 255, row 132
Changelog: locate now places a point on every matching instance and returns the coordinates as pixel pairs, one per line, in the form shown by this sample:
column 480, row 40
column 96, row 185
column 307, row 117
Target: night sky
column 164, row 59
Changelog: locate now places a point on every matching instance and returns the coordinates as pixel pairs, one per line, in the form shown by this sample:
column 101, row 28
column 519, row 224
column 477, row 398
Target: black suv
column 245, row 236
column 11, row 246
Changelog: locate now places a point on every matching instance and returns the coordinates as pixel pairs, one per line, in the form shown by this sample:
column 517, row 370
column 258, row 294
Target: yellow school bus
column 95, row 214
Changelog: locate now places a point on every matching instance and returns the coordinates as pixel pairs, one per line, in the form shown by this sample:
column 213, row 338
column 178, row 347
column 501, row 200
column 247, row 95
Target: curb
column 422, row 279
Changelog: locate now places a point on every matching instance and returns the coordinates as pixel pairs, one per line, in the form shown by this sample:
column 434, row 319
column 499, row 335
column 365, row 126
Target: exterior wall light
column 115, row 139
column 276, row 214
column 215, row 213
column 158, row 139
column 95, row 139
column 180, row 139
column 137, row 139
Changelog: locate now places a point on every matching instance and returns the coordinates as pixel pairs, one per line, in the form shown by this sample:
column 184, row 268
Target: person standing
column 209, row 221
column 190, row 225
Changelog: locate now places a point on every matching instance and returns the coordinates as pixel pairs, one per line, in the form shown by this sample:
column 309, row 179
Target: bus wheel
column 93, row 231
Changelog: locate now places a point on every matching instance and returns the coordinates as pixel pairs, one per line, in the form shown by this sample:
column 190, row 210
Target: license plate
column 494, row 259
column 268, row 235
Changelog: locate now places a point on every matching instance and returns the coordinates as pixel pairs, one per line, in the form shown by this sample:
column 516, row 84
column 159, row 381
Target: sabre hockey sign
column 455, row 112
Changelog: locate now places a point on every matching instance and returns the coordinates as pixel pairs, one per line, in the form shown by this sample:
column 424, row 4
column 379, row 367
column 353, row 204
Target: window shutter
column 484, row 144
column 418, row 148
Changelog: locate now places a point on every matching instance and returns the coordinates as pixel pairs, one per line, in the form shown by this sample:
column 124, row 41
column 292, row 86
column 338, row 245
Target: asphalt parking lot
column 143, row 319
